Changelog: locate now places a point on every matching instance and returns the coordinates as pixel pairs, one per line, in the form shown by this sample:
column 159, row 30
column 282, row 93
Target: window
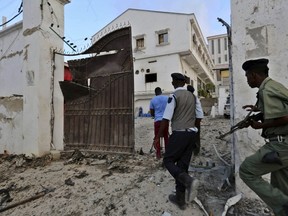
column 226, row 58
column 219, row 60
column 162, row 37
column 140, row 43
column 150, row 78
column 219, row 46
column 225, row 43
column 212, row 46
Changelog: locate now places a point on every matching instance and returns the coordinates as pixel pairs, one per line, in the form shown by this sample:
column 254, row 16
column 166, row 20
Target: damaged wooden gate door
column 99, row 102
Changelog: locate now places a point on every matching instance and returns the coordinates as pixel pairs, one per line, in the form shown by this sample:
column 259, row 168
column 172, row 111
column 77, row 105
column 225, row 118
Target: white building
column 164, row 43
column 259, row 30
column 218, row 48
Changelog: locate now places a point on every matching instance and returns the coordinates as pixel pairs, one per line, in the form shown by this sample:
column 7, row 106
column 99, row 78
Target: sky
column 83, row 18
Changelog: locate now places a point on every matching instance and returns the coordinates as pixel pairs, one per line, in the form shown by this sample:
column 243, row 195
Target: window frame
column 137, row 38
column 219, row 46
column 163, row 32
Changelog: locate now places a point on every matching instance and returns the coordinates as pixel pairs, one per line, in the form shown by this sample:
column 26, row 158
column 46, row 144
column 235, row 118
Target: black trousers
column 178, row 154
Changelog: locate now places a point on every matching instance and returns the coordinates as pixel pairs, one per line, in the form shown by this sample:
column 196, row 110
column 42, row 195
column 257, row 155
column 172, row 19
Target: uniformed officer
column 181, row 111
column 273, row 156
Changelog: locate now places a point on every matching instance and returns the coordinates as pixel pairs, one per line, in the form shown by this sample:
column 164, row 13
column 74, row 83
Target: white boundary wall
column 31, row 102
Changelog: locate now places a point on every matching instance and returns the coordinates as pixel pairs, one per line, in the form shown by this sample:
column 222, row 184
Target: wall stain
column 13, row 103
column 4, row 118
column 12, row 55
column 30, row 78
column 26, row 52
column 259, row 36
column 28, row 32
column 255, row 9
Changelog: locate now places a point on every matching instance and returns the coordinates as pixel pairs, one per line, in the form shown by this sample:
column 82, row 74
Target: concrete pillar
column 43, row 101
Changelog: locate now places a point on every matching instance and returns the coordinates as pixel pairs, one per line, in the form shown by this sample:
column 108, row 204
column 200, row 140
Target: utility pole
column 231, row 80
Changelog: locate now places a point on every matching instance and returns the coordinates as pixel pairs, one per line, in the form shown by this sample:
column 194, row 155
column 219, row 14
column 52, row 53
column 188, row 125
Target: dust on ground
column 83, row 183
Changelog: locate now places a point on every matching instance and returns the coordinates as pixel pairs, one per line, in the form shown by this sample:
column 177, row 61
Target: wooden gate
column 100, row 117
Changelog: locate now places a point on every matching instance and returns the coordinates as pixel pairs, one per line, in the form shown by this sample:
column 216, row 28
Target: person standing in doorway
column 157, row 107
column 181, row 111
column 272, row 157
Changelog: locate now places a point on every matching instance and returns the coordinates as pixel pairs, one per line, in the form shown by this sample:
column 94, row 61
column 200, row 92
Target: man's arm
column 167, row 116
column 152, row 112
column 277, row 122
column 199, row 113
column 164, row 124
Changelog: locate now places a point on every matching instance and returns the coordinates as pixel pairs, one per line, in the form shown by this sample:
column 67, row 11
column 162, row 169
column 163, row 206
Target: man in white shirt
column 181, row 111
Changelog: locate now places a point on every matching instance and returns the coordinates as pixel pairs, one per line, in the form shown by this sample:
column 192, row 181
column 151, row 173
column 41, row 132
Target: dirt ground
column 82, row 183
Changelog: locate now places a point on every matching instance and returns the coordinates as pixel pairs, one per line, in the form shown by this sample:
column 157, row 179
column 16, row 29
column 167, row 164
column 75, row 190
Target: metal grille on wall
column 100, row 116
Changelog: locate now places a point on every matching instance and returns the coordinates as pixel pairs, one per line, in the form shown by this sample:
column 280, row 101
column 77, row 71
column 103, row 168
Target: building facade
column 218, row 49
column 164, row 43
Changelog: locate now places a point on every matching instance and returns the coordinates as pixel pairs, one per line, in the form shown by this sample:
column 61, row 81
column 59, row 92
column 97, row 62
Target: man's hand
column 251, row 108
column 197, row 123
column 256, row 125
column 244, row 124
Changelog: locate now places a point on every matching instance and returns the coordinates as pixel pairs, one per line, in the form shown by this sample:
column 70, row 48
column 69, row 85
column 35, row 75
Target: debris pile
column 83, row 183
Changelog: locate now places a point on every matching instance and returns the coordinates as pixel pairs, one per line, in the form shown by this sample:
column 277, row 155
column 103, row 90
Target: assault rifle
column 244, row 123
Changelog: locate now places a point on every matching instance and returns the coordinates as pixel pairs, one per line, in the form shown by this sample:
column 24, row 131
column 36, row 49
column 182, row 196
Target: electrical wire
column 20, row 10
column 11, row 18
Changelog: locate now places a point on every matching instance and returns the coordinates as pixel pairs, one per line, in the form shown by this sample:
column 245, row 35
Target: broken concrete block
column 55, row 154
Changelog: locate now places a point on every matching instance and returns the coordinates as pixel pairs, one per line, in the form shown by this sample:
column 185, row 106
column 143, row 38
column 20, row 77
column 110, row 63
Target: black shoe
column 190, row 184
column 180, row 202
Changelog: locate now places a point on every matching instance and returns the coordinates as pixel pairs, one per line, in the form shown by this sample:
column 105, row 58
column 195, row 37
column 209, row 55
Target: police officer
column 273, row 156
column 181, row 111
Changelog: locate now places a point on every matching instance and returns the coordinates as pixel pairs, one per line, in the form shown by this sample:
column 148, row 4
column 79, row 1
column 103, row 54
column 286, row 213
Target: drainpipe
column 232, row 117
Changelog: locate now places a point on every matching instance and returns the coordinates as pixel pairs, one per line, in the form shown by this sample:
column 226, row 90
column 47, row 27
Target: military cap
column 178, row 76
column 255, row 63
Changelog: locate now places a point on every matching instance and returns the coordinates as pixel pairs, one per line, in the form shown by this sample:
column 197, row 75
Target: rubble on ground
column 83, row 183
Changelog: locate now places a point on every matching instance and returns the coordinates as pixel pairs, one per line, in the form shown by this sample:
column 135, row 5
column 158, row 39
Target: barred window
column 140, row 43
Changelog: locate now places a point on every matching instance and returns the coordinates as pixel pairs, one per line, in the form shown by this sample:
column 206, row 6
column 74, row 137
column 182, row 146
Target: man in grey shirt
column 181, row 111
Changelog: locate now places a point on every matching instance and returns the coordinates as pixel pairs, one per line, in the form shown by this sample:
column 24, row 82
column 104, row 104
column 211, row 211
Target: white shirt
column 169, row 110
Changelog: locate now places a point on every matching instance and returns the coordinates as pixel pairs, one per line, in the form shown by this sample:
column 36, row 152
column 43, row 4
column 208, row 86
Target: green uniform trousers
column 275, row 193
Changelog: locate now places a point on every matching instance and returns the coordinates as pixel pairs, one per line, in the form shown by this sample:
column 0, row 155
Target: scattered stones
column 107, row 184
column 69, row 182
